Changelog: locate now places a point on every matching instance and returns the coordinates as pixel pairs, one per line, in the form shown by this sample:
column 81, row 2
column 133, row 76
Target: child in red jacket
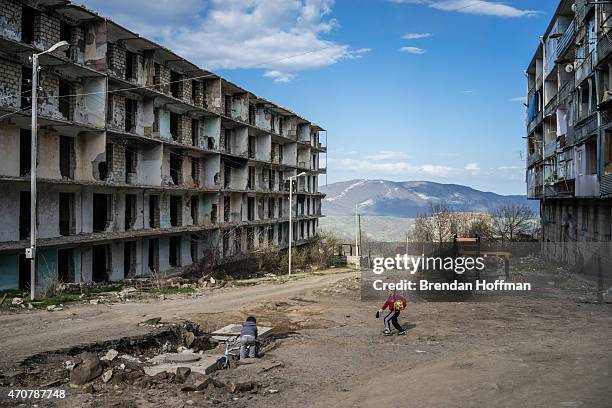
column 395, row 303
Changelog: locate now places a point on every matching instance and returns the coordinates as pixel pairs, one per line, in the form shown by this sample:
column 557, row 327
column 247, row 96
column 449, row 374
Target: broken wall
column 90, row 107
column 90, row 149
column 10, row 84
column 10, row 19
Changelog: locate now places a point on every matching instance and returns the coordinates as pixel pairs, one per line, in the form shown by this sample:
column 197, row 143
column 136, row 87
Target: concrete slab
column 199, row 363
column 233, row 330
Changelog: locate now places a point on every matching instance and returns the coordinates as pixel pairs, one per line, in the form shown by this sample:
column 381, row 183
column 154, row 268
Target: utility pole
column 31, row 251
column 359, row 223
column 356, row 230
column 291, row 179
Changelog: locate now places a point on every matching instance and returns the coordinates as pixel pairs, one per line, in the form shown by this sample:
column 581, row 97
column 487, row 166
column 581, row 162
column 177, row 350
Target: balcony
column 566, row 39
column 566, row 91
column 303, row 165
column 604, row 48
column 533, row 158
column 606, row 184
column 587, row 186
column 585, row 69
column 550, row 148
column 585, row 128
column 551, row 106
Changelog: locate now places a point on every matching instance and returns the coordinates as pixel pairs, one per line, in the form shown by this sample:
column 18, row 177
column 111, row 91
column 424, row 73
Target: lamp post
column 291, row 178
column 357, row 229
column 31, row 251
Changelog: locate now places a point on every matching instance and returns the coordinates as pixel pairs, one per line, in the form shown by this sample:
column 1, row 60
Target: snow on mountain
column 408, row 198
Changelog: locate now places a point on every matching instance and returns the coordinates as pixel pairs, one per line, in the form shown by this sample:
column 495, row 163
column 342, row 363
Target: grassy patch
column 55, row 300
column 11, row 293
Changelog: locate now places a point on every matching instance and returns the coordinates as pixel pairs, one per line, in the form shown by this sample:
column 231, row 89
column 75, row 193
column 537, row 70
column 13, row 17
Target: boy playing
column 248, row 339
column 395, row 303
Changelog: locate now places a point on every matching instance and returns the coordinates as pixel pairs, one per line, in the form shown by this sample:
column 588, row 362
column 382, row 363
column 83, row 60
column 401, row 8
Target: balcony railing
column 566, row 91
column 585, row 69
column 566, row 39
column 585, row 128
column 604, row 47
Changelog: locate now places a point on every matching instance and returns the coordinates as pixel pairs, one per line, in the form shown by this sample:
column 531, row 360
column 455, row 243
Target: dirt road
column 28, row 333
column 547, row 348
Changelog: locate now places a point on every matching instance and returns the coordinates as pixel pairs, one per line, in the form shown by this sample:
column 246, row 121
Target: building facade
column 146, row 162
column 569, row 132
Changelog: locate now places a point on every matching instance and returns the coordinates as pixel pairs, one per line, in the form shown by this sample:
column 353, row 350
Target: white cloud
column 467, row 91
column 387, row 155
column 282, row 37
column 478, row 7
column 472, row 167
column 412, row 50
column 519, row 99
column 416, row 36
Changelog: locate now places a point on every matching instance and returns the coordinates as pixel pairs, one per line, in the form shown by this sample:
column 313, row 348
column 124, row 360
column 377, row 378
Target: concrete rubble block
column 241, row 386
column 88, row 370
column 182, row 373
column 233, row 330
column 107, row 375
column 110, row 355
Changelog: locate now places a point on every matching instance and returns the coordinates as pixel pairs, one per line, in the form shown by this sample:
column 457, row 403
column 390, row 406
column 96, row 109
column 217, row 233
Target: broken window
column 226, row 208
column 251, row 208
column 27, row 24
column 129, row 259
column 175, row 79
column 66, row 214
column 228, row 105
column 130, row 66
column 176, row 211
column 174, row 126
column 64, row 99
column 251, row 178
column 65, row 265
column 194, row 247
column 227, row 176
column 153, row 211
column 131, row 108
column 100, row 261
column 176, row 168
column 608, row 153
column 252, row 115
column 67, row 157
column 26, row 87
column 280, row 126
column 195, row 171
column 66, row 35
column 174, row 255
column 102, row 206
column 130, row 164
column 153, row 261
column 213, row 214
column 195, row 209
column 252, row 142
column 130, row 211
column 24, row 214
column 25, row 152
column 195, row 132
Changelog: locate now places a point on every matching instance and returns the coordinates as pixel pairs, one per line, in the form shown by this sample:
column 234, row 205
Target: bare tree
column 511, row 220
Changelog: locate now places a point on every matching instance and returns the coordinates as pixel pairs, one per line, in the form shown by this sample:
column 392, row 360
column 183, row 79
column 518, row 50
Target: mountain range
column 409, row 198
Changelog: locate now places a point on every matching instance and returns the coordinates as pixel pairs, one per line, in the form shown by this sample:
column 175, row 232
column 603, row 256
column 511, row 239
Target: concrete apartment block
column 146, row 162
column 569, row 133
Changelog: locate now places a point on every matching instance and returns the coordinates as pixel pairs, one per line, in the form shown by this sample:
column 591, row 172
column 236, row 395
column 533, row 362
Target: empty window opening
column 25, row 152
column 24, row 214
column 272, row 124
column 194, row 91
column 130, row 115
column 226, row 244
column 176, row 211
column 66, row 214
column 176, row 168
column 27, row 24
column 195, row 132
column 175, row 78
column 174, row 126
column 213, row 214
column 227, row 176
column 101, row 211
column 154, row 211
column 252, row 141
column 270, row 236
column 129, row 259
column 130, row 211
column 130, row 66
column 194, row 247
column 64, row 99
column 271, row 203
column 66, row 35
column 251, row 114
column 280, row 126
column 251, row 178
column 195, row 171
column 24, row 272
column 280, row 207
column 228, row 105
column 226, row 208
column 153, row 261
column 238, row 240
column 251, row 208
column 174, row 255
column 67, row 157
column 195, row 207
column 65, row 265
column 130, row 164
column 100, row 260
column 26, row 87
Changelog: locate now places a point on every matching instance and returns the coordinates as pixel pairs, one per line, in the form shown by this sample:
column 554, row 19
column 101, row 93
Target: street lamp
column 291, row 178
column 31, row 251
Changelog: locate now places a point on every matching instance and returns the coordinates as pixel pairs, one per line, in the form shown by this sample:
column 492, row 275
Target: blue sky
column 407, row 89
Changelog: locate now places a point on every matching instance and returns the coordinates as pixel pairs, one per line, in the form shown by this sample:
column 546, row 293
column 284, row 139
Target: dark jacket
column 249, row 328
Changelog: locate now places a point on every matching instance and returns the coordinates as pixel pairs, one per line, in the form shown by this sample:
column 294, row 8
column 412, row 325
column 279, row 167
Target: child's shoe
column 387, row 333
column 402, row 333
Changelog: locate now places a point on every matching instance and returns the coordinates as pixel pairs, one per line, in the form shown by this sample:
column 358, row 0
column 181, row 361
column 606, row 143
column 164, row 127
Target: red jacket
column 390, row 303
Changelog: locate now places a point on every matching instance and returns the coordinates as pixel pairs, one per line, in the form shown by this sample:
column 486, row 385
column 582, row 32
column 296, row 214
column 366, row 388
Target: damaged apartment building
column 146, row 163
column 569, row 132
